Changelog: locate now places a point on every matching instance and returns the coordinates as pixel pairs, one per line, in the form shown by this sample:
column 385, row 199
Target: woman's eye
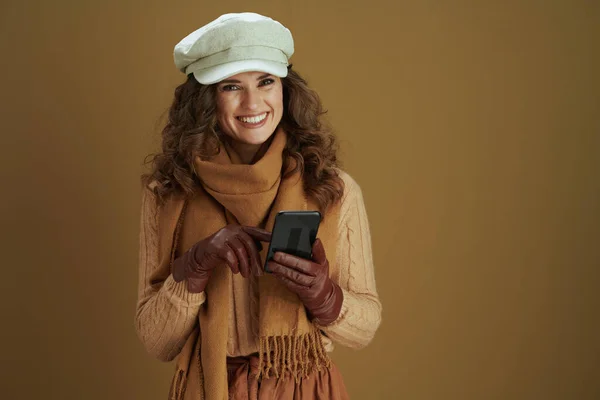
column 228, row 88
column 267, row 81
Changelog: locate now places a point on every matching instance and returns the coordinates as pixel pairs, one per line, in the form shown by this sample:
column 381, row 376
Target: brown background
column 473, row 129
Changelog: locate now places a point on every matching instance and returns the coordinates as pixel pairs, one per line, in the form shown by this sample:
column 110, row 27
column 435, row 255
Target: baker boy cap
column 235, row 43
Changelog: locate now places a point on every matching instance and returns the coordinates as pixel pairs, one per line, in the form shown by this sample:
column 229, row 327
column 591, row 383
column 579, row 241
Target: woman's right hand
column 235, row 245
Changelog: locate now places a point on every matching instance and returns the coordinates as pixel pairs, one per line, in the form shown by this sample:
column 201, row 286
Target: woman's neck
column 250, row 153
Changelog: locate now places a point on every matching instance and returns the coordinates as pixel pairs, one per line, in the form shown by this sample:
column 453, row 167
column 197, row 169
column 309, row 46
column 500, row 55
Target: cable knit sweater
column 167, row 313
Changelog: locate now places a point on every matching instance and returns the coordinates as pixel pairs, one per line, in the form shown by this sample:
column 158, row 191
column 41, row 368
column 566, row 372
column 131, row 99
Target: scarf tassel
column 178, row 384
column 292, row 356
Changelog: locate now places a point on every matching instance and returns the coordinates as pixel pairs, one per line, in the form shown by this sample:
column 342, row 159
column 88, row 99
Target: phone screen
column 294, row 232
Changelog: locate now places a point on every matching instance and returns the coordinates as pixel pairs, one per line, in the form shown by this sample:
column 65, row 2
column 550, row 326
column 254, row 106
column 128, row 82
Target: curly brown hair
column 192, row 130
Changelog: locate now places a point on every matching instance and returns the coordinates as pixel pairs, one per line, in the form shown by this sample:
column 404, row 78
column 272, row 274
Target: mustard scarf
column 290, row 346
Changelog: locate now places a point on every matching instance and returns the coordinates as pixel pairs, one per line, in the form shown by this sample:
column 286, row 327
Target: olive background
column 472, row 127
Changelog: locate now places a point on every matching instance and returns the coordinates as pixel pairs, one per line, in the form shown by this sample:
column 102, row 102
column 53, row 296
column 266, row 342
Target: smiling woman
column 244, row 141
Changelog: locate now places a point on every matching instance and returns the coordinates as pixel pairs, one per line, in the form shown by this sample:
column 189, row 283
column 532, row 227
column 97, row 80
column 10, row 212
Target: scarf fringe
column 178, row 384
column 292, row 356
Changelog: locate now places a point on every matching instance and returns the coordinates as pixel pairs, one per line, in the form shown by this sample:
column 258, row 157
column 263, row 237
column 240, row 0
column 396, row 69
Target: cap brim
column 219, row 72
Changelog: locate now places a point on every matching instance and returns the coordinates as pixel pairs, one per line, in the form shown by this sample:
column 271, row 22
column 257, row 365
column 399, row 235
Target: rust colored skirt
column 319, row 385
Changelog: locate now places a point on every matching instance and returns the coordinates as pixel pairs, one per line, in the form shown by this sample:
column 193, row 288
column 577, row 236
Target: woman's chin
column 256, row 138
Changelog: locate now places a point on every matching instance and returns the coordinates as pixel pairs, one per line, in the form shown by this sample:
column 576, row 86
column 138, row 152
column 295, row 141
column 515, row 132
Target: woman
column 244, row 141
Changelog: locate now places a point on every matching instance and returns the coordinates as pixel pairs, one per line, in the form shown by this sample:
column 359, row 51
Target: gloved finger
column 257, row 233
column 252, row 250
column 318, row 251
column 292, row 275
column 291, row 285
column 241, row 254
column 296, row 263
column 227, row 254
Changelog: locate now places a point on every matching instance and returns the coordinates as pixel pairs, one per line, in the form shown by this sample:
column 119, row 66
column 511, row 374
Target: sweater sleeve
column 360, row 316
column 166, row 312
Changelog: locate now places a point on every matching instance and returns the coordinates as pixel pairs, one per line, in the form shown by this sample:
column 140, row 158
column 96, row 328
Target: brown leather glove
column 310, row 280
column 237, row 246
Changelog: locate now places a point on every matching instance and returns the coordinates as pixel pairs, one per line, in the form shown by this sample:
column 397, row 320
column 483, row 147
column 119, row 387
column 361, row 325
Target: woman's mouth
column 253, row 121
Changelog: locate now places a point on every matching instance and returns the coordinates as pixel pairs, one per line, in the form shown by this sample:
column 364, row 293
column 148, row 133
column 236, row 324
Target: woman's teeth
column 253, row 120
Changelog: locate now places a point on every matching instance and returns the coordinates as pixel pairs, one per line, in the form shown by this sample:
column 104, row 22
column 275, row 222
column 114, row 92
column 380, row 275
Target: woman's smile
column 253, row 121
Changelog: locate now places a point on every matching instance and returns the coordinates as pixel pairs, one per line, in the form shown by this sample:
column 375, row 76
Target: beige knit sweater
column 167, row 313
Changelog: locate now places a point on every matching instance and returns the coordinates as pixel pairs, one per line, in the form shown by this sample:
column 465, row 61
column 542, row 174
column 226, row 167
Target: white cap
column 235, row 43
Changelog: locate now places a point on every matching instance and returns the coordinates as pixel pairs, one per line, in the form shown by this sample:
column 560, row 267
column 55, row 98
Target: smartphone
column 294, row 232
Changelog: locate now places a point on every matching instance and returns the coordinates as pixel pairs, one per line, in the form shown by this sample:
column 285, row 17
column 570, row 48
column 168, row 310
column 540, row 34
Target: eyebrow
column 236, row 81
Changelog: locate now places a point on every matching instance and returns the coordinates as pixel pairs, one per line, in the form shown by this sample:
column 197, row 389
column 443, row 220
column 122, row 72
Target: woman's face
column 249, row 106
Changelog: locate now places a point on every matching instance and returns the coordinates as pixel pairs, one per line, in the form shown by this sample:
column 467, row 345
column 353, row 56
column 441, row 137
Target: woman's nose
column 251, row 99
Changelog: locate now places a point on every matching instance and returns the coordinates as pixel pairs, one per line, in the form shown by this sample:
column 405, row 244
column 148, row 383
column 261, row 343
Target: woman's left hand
column 310, row 281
